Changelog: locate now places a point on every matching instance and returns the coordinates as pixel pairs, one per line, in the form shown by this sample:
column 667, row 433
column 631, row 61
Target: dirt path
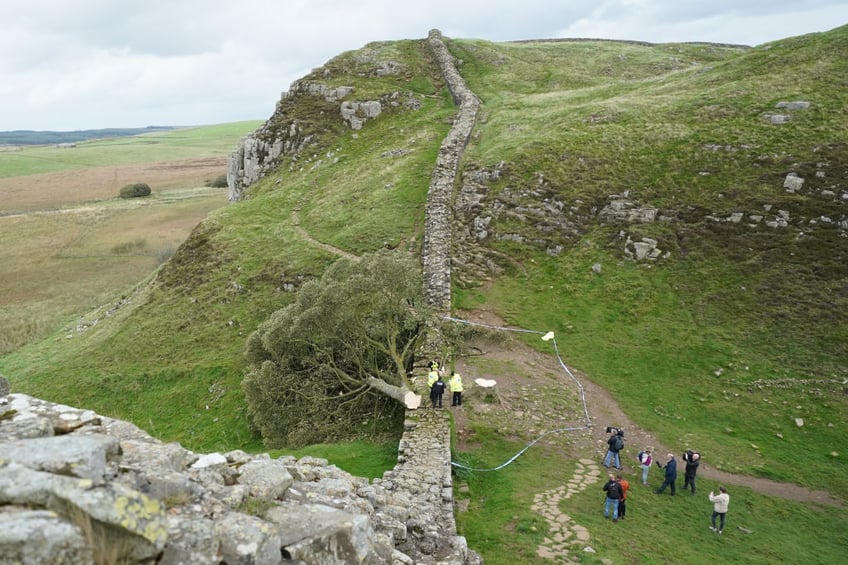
column 601, row 402
column 325, row 246
column 527, row 364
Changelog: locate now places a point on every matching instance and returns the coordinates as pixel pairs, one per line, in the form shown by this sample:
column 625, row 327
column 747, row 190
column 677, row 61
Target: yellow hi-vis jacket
column 431, row 378
column 456, row 383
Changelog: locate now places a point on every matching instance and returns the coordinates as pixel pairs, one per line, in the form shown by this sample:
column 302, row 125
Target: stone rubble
column 78, row 487
column 565, row 536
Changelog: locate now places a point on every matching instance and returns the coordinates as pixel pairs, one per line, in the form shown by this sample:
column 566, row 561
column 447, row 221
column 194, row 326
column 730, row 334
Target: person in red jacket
column 622, row 502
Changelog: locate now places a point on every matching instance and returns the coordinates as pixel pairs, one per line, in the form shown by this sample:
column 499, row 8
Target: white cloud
column 79, row 64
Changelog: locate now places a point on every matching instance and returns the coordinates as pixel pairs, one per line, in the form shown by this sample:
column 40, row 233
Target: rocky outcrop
column 78, row 487
column 257, row 154
column 282, row 135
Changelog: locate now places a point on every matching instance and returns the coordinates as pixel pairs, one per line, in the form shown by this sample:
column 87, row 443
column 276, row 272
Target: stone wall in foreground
column 78, row 487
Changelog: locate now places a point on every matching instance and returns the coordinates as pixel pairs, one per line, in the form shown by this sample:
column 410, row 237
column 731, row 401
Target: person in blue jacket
column 670, row 474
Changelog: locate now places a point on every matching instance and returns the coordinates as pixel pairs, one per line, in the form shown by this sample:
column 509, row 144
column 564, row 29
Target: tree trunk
column 399, row 393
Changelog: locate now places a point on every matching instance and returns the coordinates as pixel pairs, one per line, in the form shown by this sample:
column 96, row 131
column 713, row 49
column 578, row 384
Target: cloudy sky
column 85, row 64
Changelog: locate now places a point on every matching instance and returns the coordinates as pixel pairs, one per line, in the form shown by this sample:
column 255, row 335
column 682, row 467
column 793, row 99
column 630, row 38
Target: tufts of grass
column 365, row 458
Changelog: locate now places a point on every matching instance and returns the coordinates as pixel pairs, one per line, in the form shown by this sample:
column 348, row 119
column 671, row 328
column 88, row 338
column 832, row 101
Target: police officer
column 456, row 388
column 432, row 377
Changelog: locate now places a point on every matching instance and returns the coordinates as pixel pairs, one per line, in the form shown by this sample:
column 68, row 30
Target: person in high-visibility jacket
column 456, row 388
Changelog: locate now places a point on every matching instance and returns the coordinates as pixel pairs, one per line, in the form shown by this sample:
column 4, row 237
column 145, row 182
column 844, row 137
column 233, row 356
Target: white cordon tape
column 547, row 336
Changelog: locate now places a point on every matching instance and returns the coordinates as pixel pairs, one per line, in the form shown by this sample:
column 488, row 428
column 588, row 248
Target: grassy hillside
column 171, row 359
column 743, row 328
column 720, row 343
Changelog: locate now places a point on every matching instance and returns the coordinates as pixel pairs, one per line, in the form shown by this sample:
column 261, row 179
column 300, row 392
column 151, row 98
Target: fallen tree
column 338, row 355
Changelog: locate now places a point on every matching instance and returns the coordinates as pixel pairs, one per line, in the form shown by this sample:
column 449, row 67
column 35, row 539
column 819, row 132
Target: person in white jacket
column 720, row 502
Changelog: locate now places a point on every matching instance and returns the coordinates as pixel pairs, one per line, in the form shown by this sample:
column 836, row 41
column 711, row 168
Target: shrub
column 219, row 182
column 136, row 190
column 129, row 247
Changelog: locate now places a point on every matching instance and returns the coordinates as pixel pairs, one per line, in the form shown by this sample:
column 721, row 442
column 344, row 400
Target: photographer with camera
column 693, row 459
column 615, row 444
column 720, row 502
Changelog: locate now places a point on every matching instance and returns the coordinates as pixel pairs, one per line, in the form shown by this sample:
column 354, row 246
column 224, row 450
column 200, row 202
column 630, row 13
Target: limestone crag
column 259, row 153
column 74, row 484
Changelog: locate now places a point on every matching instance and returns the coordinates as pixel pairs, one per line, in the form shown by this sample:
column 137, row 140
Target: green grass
column 686, row 379
column 501, row 526
column 204, row 141
column 679, row 341
column 359, row 458
column 697, row 347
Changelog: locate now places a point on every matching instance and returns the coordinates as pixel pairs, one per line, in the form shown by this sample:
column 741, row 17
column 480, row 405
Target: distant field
column 30, row 137
column 70, row 244
column 53, row 191
column 190, row 143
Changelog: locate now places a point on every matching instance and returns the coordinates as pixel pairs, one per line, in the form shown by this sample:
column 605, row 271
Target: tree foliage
column 315, row 366
column 136, row 190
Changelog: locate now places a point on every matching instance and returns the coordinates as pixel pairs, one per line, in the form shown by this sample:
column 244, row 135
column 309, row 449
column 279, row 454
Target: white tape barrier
column 546, row 336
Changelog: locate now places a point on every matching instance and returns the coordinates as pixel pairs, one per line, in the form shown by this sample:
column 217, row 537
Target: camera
column 618, row 431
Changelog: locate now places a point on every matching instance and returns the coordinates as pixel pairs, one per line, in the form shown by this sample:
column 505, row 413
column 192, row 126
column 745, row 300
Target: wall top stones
column 73, row 481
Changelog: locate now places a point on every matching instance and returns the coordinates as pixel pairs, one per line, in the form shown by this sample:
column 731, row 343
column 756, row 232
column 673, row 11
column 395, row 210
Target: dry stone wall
column 77, row 487
column 436, row 252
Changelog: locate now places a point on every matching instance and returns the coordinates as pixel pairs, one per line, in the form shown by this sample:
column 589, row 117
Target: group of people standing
column 692, row 459
column 437, row 386
column 616, row 487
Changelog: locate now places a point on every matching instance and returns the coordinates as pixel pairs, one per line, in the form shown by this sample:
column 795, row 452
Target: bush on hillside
column 136, row 190
column 219, row 182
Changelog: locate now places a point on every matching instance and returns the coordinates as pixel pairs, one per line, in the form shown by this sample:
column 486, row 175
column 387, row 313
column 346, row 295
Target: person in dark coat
column 437, row 392
column 670, row 474
column 693, row 459
column 615, row 444
column 613, row 490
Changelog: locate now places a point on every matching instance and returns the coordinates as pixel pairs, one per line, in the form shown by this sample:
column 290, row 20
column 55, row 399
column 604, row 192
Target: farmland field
column 70, row 244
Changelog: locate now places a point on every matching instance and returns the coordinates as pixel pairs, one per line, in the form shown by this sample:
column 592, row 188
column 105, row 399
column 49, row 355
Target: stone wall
column 78, row 487
column 436, row 252
column 423, row 475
